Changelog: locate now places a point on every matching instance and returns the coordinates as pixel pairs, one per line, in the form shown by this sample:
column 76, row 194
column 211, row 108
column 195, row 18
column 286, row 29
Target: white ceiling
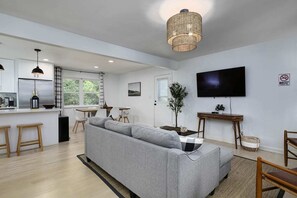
column 137, row 24
column 15, row 48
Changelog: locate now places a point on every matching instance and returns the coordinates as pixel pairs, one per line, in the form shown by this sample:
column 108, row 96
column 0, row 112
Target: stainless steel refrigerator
column 44, row 88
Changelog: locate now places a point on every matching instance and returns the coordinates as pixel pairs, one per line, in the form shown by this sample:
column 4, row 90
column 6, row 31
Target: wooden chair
column 78, row 119
column 281, row 178
column 292, row 142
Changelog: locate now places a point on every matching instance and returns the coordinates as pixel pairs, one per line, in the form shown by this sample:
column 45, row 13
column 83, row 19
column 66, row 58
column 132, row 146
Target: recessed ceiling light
column 110, row 61
column 96, row 67
column 45, row 59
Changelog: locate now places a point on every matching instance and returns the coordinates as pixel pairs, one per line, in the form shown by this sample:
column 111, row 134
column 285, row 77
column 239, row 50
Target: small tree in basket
column 178, row 93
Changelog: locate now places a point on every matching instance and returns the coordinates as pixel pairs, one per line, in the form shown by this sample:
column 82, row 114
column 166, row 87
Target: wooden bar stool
column 6, row 145
column 31, row 142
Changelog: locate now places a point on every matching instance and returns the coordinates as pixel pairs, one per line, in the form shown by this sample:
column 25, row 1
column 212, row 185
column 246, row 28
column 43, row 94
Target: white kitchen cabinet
column 7, row 76
column 25, row 67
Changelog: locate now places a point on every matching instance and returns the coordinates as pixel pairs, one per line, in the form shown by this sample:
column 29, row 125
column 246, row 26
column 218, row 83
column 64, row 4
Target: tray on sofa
column 177, row 129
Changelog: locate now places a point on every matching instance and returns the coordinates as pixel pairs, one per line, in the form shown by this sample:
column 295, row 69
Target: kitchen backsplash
column 8, row 99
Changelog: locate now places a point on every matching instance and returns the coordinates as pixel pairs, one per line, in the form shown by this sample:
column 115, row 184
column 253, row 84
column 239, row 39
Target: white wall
column 268, row 109
column 142, row 107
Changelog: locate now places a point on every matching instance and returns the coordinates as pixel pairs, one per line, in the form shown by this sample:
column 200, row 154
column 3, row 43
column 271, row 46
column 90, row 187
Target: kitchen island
column 49, row 118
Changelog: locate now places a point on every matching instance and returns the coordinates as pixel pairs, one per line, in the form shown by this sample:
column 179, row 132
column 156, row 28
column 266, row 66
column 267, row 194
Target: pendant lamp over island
column 36, row 71
column 1, row 67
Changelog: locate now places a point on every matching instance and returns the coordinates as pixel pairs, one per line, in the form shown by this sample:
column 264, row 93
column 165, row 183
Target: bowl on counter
column 49, row 106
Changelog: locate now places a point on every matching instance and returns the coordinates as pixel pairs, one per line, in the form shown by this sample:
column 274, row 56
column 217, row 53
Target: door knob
column 155, row 104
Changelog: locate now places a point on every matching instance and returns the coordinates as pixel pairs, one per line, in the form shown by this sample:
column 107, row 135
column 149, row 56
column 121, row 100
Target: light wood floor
column 56, row 172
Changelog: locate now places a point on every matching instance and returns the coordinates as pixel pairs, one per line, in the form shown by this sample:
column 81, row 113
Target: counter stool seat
column 31, row 142
column 6, row 145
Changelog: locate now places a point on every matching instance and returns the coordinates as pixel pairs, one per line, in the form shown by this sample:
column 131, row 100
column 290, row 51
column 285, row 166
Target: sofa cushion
column 168, row 139
column 190, row 144
column 226, row 155
column 96, row 121
column 119, row 127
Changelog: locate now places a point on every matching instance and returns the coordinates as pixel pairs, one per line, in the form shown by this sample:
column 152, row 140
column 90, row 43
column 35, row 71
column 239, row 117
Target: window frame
column 80, row 92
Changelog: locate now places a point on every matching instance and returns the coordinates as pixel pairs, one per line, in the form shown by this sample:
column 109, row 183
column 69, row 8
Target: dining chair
column 115, row 113
column 101, row 113
column 290, row 143
column 280, row 178
column 78, row 119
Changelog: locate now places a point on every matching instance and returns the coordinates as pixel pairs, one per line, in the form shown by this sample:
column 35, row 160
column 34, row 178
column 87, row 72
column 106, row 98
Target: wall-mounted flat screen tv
column 221, row 83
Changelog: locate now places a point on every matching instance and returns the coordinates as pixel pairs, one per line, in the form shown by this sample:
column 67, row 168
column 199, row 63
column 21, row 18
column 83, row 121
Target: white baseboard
column 262, row 147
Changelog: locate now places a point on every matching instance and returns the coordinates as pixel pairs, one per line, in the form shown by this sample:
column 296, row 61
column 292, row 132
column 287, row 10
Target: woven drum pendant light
column 184, row 30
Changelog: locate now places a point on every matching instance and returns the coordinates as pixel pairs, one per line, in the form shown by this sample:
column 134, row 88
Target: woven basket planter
column 250, row 143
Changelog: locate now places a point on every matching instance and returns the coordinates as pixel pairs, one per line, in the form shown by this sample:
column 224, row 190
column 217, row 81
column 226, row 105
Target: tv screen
column 221, row 83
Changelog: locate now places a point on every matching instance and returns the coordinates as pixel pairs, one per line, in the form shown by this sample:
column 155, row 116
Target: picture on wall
column 134, row 89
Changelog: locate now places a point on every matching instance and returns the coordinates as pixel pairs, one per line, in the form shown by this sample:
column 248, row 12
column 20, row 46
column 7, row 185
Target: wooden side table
column 234, row 118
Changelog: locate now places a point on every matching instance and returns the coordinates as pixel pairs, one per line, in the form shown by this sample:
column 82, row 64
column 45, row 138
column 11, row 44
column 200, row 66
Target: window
column 71, row 92
column 162, row 90
column 91, row 92
column 80, row 92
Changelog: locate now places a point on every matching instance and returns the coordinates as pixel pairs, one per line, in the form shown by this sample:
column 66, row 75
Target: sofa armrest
column 193, row 174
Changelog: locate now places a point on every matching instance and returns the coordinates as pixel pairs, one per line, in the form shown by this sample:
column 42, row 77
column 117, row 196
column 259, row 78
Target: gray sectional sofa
column 150, row 161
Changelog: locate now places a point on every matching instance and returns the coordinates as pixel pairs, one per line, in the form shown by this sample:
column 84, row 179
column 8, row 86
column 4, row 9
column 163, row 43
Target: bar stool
column 6, row 145
column 31, row 142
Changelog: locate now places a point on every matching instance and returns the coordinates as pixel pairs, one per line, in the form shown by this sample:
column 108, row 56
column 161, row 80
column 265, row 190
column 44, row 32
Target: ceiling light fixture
column 111, row 61
column 184, row 30
column 96, row 67
column 36, row 71
column 1, row 67
column 45, row 59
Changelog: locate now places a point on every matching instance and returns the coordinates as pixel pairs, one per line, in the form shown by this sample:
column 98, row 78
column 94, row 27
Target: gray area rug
column 241, row 182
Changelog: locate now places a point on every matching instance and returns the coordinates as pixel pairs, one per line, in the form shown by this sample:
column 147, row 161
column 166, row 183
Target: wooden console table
column 235, row 119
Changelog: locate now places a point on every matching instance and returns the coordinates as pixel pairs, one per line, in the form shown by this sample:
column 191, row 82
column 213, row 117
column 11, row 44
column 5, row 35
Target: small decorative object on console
column 183, row 129
column 220, row 108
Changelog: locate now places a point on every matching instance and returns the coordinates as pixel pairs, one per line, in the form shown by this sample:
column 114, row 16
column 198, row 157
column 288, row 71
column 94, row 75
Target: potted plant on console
column 220, row 108
column 178, row 93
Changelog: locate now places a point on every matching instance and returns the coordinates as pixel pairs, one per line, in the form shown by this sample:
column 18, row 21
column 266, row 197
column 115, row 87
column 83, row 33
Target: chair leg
column 285, row 148
column 280, row 193
column 7, row 143
column 40, row 138
column 76, row 125
column 19, row 142
column 259, row 179
column 73, row 129
column 83, row 124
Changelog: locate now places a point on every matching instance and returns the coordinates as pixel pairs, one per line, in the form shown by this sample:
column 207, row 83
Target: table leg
column 201, row 121
column 235, row 134
column 239, row 134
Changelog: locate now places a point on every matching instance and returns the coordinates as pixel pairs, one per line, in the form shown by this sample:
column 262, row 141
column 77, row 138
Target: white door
column 163, row 115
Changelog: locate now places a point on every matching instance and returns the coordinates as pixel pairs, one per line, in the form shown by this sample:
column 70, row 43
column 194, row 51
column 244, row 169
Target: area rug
column 241, row 182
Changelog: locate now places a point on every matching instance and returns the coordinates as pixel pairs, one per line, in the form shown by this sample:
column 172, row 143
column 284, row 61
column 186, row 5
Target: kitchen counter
column 49, row 118
column 40, row 110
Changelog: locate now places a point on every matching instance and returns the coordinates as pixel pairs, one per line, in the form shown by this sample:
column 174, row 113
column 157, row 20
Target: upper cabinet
column 7, row 76
column 25, row 67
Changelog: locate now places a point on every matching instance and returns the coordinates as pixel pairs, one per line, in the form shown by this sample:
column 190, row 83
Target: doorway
column 162, row 113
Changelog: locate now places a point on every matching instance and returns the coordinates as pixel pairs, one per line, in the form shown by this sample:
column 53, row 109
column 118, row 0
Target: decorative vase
column 221, row 112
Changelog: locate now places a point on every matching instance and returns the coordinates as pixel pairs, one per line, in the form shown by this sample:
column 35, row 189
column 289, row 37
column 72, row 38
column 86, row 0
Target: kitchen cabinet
column 7, row 76
column 25, row 67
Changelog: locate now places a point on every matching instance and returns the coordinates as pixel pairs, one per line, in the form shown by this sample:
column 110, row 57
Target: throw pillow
column 96, row 121
column 190, row 144
column 119, row 127
column 168, row 139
